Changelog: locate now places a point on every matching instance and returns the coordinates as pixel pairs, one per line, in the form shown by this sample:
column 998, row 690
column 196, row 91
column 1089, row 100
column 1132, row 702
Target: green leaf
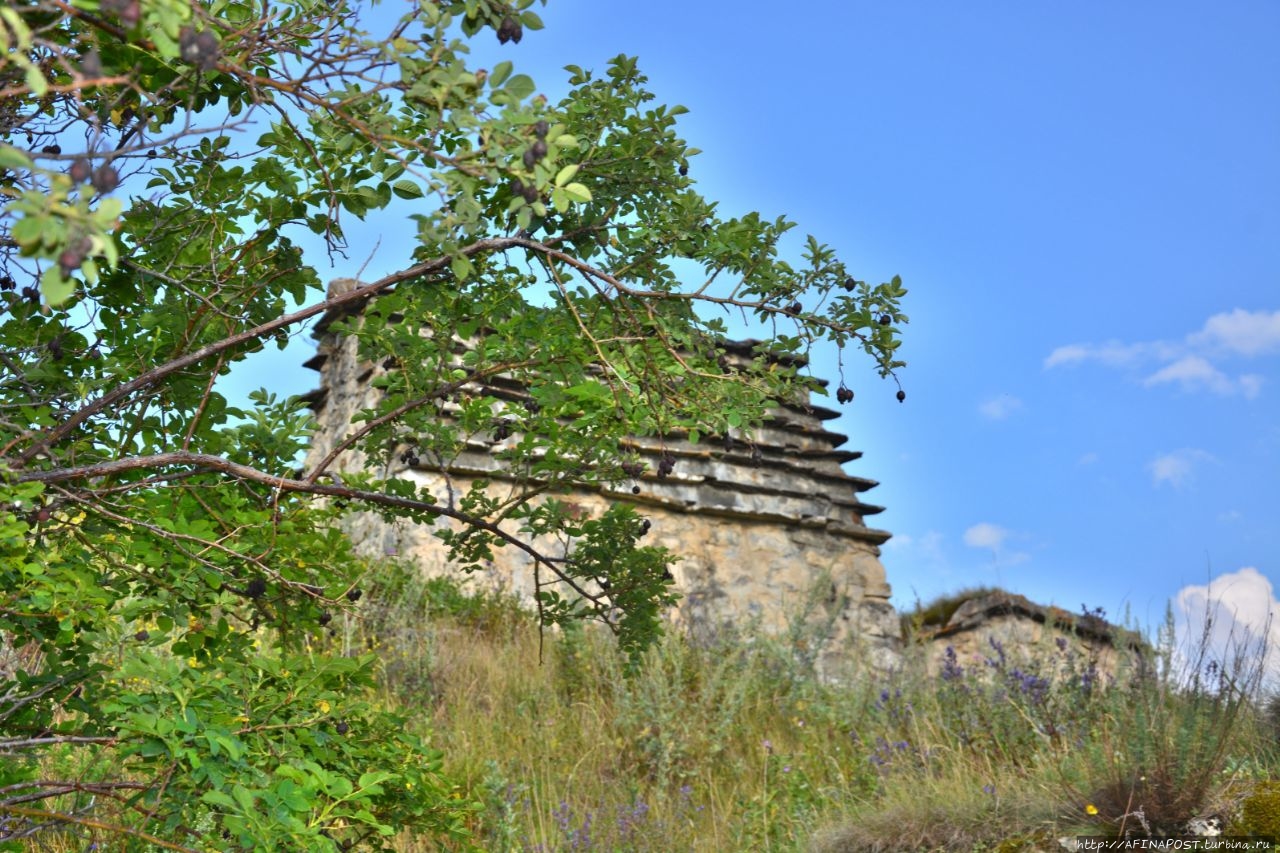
column 462, row 267
column 28, row 232
column 520, row 87
column 406, row 188
column 243, row 797
column 55, row 288
column 18, row 26
column 577, row 192
column 12, row 158
column 36, row 82
column 218, row 798
column 500, row 73
column 374, row 777
column 109, row 209
column 293, row 797
column 566, row 174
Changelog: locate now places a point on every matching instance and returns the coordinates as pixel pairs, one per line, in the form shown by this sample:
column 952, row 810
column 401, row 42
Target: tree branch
column 209, row 462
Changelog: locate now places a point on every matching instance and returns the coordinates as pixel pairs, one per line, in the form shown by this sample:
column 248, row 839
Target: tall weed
column 735, row 743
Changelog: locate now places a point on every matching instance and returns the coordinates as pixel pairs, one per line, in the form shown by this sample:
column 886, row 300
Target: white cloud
column 1247, row 333
column 1111, row 353
column 1191, row 363
column 992, row 537
column 930, row 542
column 1176, row 468
column 1235, row 618
column 922, row 552
column 999, row 408
column 1194, row 372
column 985, row 535
column 1250, row 385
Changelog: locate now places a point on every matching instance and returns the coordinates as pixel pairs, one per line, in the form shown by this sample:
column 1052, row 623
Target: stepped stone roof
column 790, row 472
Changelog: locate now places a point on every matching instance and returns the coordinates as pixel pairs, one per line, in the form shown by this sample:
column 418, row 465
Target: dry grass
column 738, row 746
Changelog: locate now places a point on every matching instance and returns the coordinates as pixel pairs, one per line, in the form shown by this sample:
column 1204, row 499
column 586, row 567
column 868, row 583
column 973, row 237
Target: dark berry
column 70, row 260
column 644, row 527
column 105, row 179
column 902, row 396
column 539, row 148
column 530, row 194
column 510, row 30
column 200, row 49
column 633, row 468
column 844, row 395
column 342, row 728
column 129, row 11
column 81, row 170
column 885, row 319
column 666, row 464
column 142, row 636
column 684, row 169
column 793, row 309
column 325, row 618
column 255, row 588
column 7, row 283
column 354, row 594
column 530, row 159
column 540, row 128
column 849, row 283
column 635, row 490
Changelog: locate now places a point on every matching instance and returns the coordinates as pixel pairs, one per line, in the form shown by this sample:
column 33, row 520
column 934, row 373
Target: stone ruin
column 770, row 534
column 986, row 625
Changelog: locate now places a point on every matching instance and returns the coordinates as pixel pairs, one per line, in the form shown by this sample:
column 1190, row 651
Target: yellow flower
column 324, row 706
column 1090, row 809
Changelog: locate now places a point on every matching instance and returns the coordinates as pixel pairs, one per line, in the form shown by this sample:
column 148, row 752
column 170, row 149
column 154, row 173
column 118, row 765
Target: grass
column 738, row 745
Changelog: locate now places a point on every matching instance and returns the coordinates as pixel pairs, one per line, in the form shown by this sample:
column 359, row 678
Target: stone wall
column 983, row 626
column 765, row 532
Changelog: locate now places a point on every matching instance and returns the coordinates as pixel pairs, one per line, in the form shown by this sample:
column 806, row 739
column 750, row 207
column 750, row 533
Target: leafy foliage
column 168, row 576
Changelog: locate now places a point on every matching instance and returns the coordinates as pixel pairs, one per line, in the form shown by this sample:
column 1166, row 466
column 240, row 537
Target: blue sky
column 1083, row 200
